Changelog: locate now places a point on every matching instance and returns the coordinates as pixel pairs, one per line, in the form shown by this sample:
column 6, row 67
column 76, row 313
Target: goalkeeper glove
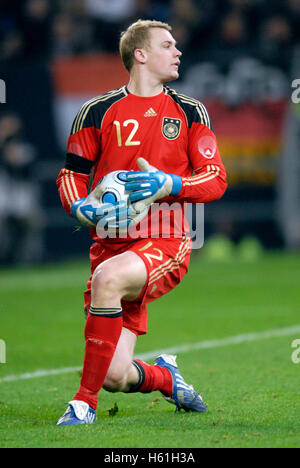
column 107, row 216
column 119, row 218
column 89, row 211
column 85, row 209
column 150, row 184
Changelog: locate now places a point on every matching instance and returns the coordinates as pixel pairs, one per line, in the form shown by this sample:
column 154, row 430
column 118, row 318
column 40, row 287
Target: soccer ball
column 114, row 192
column 114, row 188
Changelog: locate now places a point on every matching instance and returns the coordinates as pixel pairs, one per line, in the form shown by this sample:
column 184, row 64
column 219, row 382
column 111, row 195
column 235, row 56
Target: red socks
column 102, row 332
column 153, row 377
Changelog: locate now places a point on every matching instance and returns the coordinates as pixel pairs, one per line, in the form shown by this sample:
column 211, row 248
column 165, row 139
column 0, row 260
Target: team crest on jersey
column 171, row 128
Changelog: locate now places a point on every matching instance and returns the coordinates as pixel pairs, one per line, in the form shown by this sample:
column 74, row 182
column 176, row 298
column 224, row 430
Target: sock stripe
column 111, row 312
column 141, row 372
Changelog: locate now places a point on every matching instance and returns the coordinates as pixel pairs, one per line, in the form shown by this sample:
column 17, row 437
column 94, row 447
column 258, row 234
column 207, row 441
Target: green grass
column 252, row 389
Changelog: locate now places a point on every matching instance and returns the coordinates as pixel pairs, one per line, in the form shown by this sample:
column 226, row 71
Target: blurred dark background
column 240, row 58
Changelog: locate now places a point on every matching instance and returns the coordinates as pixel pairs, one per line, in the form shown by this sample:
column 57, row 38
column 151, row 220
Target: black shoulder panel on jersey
column 92, row 112
column 194, row 110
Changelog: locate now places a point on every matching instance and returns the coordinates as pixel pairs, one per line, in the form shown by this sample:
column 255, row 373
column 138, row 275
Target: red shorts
column 166, row 261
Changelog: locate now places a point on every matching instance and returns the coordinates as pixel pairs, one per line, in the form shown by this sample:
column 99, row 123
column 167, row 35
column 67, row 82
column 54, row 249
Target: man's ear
column 140, row 55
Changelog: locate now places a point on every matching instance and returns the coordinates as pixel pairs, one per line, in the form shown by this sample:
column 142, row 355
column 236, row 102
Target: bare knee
column 115, row 380
column 107, row 284
column 122, row 276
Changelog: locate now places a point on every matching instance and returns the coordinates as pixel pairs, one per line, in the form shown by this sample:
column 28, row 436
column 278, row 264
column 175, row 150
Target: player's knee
column 115, row 380
column 107, row 281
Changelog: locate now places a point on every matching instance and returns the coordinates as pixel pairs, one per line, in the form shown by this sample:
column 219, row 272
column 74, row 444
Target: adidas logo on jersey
column 150, row 113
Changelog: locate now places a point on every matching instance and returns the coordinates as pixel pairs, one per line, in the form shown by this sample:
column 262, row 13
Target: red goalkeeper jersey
column 172, row 131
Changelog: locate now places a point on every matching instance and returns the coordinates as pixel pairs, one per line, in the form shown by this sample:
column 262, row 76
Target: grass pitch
column 251, row 388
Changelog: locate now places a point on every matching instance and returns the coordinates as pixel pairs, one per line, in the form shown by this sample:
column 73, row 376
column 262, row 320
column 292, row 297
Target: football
column 115, row 188
column 115, row 192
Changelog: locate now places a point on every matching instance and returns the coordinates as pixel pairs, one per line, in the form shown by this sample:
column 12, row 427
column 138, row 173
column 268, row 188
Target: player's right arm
column 83, row 150
column 73, row 181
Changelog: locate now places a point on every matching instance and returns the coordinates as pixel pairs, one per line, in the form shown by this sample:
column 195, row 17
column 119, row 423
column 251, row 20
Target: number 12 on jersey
column 129, row 141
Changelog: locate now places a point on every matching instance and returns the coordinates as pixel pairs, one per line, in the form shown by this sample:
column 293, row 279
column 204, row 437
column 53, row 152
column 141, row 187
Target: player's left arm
column 207, row 184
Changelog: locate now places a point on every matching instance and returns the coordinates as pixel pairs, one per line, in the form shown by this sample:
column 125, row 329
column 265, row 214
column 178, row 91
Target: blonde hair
column 137, row 36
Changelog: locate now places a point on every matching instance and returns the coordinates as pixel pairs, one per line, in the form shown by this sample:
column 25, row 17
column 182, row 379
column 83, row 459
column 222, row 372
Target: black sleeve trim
column 78, row 164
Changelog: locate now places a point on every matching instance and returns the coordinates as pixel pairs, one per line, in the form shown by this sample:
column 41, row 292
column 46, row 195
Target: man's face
column 162, row 58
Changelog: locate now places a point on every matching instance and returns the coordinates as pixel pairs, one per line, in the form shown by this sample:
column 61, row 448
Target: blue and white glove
column 86, row 209
column 119, row 218
column 89, row 211
column 150, row 184
column 107, row 213
column 108, row 217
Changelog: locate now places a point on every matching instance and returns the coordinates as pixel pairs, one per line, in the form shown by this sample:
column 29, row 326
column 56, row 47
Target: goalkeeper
column 166, row 143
